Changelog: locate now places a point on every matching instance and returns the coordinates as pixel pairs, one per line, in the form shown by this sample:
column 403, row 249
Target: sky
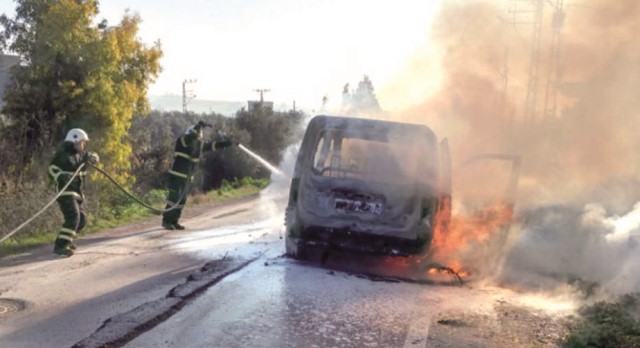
column 299, row 50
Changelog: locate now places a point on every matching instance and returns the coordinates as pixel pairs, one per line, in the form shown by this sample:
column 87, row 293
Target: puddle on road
column 240, row 239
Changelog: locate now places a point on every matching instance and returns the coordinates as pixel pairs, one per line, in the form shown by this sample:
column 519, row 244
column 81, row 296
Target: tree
column 75, row 73
column 154, row 137
column 362, row 101
column 271, row 131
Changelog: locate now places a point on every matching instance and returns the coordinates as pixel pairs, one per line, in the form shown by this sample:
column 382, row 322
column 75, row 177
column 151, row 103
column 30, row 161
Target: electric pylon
column 553, row 77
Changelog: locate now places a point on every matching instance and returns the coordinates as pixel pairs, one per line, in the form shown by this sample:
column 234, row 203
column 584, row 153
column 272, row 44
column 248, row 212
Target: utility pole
column 553, row 77
column 262, row 91
column 187, row 94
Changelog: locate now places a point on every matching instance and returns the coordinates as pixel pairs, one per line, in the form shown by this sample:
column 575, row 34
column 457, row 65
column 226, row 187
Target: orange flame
column 459, row 232
column 454, row 234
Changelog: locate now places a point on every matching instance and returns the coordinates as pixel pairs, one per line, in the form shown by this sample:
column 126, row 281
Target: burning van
column 367, row 186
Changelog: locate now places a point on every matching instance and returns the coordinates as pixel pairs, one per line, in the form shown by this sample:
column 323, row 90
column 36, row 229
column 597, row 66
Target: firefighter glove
column 93, row 158
column 223, row 141
column 201, row 124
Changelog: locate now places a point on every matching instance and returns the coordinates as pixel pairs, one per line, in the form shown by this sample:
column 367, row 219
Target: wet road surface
column 271, row 302
column 279, row 302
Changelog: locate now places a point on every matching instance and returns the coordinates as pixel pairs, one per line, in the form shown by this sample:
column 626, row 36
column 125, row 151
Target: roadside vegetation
column 128, row 211
column 607, row 324
column 77, row 70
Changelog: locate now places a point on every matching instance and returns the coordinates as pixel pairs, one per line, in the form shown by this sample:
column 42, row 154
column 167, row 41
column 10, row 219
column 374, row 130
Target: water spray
column 262, row 161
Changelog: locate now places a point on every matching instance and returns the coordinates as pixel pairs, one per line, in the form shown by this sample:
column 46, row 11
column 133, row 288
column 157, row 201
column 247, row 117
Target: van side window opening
column 322, row 153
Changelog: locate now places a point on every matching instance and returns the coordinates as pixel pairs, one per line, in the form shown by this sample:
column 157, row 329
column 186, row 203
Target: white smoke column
column 624, row 227
column 560, row 243
column 625, row 234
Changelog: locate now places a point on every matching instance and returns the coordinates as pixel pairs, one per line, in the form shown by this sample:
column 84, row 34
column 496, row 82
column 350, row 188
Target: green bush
column 109, row 209
column 608, row 324
column 225, row 185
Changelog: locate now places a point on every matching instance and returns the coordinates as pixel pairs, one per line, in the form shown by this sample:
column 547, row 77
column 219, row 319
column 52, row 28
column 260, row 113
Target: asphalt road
column 225, row 283
column 48, row 301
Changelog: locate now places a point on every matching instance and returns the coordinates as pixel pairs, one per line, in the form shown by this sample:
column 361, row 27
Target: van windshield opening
column 372, row 158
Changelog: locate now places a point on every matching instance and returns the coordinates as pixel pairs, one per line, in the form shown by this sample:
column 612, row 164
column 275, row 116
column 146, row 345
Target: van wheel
column 293, row 250
column 290, row 247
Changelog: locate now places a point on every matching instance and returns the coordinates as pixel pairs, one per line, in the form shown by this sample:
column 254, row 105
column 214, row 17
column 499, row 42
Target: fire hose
column 173, row 206
column 45, row 207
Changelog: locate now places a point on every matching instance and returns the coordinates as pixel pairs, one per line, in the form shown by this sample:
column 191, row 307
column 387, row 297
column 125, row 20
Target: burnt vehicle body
column 367, row 186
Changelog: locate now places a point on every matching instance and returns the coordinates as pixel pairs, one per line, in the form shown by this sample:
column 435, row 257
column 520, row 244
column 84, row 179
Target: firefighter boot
column 63, row 248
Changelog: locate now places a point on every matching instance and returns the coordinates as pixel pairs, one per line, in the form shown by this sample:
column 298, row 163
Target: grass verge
column 127, row 211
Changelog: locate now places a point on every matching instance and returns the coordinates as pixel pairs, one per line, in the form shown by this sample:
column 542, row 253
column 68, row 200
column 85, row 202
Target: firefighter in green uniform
column 187, row 154
column 66, row 161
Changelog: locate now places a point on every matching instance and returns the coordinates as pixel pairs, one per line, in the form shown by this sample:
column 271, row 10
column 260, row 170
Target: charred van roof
column 364, row 124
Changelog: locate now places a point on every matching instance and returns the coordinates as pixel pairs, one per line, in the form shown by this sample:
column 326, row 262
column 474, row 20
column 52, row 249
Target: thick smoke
column 580, row 169
column 567, row 243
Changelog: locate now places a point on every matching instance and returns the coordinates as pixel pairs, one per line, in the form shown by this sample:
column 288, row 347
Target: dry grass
column 20, row 204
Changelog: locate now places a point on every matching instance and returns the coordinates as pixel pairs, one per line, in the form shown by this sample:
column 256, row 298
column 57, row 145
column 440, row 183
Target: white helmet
column 75, row 135
column 192, row 129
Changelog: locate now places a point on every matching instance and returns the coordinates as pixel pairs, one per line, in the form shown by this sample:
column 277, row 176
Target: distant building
column 6, row 62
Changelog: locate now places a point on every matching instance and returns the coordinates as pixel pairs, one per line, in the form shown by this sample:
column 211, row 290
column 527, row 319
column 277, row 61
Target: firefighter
column 66, row 161
column 187, row 154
